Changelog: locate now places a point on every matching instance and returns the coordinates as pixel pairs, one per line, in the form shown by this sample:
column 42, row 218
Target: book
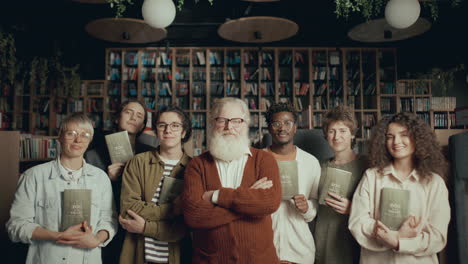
column 119, row 147
column 289, row 178
column 394, row 207
column 171, row 188
column 337, row 182
column 76, row 207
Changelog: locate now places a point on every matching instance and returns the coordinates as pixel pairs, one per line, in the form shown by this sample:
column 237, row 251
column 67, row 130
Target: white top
column 292, row 237
column 231, row 172
column 428, row 199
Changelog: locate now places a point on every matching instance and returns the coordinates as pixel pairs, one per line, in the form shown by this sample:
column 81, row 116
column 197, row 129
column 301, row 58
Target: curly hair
column 427, row 156
column 277, row 108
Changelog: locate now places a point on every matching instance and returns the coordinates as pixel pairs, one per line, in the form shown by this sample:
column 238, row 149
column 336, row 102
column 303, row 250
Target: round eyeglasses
column 288, row 124
column 222, row 122
column 174, row 126
column 72, row 135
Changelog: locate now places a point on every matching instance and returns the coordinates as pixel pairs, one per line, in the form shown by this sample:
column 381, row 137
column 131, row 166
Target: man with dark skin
column 293, row 241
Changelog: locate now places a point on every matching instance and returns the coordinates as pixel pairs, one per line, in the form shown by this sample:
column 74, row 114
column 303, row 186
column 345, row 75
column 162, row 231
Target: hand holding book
column 340, row 204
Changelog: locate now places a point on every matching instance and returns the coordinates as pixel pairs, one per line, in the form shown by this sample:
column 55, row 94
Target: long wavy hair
column 427, row 156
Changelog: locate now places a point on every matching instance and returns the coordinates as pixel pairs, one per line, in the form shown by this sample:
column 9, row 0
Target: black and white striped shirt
column 158, row 251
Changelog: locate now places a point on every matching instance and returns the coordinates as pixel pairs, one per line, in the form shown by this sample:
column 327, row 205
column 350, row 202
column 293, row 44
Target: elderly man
column 36, row 213
column 230, row 193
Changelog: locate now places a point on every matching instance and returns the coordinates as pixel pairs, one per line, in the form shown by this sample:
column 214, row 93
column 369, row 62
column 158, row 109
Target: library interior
column 65, row 56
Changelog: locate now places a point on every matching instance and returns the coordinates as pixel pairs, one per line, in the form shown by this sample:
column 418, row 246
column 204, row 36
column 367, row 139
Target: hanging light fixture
column 402, row 13
column 158, row 13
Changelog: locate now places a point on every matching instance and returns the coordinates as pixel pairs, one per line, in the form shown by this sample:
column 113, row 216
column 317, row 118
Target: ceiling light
column 158, row 13
column 402, row 13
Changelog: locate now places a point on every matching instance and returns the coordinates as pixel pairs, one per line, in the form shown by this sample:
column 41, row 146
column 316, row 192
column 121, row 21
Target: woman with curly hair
column 331, row 232
column 404, row 155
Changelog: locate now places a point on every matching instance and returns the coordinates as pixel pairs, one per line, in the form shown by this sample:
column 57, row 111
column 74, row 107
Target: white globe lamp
column 158, row 13
column 402, row 13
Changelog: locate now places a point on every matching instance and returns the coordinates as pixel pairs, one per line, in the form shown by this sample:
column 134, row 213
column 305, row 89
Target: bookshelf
column 193, row 78
column 312, row 79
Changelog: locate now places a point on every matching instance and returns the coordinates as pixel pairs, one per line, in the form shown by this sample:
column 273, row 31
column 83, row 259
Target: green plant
column 68, row 78
column 8, row 61
column 39, row 73
column 120, row 6
column 442, row 79
column 373, row 8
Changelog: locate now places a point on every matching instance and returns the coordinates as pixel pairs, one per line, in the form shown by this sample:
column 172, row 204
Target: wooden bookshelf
column 314, row 80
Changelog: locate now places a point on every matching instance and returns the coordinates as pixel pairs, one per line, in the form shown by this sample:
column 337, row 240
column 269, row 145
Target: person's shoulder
column 92, row 169
column 41, row 169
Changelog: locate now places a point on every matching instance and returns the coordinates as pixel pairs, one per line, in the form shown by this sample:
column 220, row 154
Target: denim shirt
column 38, row 203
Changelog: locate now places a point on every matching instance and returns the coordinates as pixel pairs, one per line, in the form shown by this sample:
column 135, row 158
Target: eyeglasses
column 72, row 135
column 235, row 122
column 174, row 126
column 286, row 123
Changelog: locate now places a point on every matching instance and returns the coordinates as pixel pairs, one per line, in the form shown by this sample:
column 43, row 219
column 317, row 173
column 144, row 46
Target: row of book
column 198, row 120
column 413, row 87
column 93, row 89
column 443, row 103
column 130, row 74
column 5, row 104
column 5, row 120
column 32, row 147
column 198, row 141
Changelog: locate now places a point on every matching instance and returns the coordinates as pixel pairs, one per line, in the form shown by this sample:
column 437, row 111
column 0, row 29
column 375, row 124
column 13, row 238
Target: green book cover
column 289, row 178
column 76, row 207
column 119, row 147
column 171, row 188
column 394, row 207
column 337, row 181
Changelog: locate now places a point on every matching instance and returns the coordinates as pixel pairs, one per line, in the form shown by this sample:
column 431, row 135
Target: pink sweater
column 238, row 229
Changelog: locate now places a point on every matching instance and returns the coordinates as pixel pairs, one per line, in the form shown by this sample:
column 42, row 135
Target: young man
column 293, row 241
column 36, row 213
column 156, row 232
column 130, row 117
column 230, row 193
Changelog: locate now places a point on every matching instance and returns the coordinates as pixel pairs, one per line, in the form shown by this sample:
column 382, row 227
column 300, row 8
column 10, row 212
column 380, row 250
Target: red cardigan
column 238, row 229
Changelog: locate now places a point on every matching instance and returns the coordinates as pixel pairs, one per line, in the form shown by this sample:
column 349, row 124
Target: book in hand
column 394, row 207
column 337, row 182
column 171, row 188
column 76, row 207
column 289, row 178
column 118, row 144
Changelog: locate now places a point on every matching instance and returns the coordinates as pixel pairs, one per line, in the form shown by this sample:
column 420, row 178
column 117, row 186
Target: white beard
column 227, row 148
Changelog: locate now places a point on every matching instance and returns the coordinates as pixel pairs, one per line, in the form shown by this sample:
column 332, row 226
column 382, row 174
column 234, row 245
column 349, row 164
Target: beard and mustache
column 227, row 145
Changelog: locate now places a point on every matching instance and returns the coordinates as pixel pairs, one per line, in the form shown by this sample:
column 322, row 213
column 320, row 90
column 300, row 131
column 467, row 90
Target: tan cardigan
column 238, row 230
column 165, row 222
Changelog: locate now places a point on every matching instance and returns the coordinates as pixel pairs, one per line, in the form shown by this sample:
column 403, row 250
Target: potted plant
column 374, row 8
column 8, row 62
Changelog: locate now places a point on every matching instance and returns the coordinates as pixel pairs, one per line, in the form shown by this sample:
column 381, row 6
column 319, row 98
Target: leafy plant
column 68, row 78
column 8, row 61
column 374, row 8
column 442, row 79
column 120, row 6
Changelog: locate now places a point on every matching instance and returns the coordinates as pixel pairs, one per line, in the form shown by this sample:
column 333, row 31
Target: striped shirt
column 158, row 251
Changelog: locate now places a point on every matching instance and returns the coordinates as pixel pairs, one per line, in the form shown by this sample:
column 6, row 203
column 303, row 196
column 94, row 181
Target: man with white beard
column 230, row 193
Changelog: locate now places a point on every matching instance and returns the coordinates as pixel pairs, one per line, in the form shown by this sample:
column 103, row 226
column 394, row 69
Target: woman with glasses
column 333, row 240
column 36, row 214
column 156, row 232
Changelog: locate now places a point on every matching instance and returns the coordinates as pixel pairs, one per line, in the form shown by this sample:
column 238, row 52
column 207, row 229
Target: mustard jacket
column 165, row 222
